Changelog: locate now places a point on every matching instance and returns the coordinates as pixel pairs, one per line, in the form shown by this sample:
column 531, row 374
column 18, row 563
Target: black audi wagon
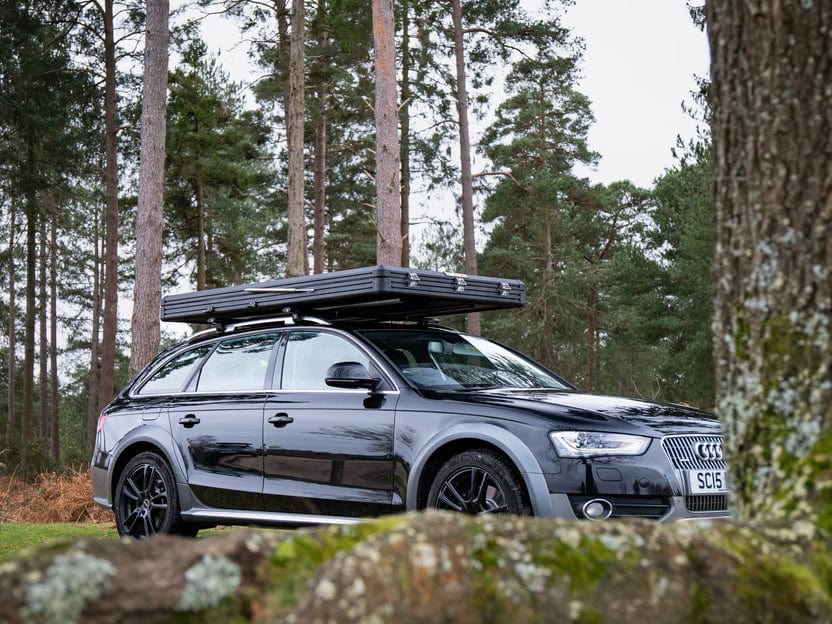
column 335, row 397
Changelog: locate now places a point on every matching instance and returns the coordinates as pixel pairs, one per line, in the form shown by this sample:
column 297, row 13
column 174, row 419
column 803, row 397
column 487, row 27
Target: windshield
column 440, row 360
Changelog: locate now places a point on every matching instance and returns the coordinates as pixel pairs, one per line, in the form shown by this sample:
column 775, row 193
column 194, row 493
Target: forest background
column 618, row 276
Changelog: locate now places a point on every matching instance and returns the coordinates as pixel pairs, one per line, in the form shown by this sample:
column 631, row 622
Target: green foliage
column 217, row 168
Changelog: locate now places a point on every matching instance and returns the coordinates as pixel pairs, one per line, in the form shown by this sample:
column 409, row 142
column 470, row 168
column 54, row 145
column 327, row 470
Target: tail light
column 100, row 424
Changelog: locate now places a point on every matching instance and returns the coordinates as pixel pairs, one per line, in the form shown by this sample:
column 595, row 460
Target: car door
column 218, row 422
column 328, row 451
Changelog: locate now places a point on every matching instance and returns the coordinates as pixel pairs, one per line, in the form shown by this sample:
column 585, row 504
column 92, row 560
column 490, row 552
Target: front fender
column 505, row 441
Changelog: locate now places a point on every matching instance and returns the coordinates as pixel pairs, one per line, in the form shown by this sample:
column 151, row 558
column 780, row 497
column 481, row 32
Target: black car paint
column 352, row 452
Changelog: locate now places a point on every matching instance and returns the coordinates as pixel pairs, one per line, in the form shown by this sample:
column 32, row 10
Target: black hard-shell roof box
column 373, row 293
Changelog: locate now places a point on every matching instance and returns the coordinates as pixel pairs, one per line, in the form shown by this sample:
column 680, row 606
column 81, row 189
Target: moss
column 589, row 616
column 767, row 581
column 583, row 564
column 295, row 561
column 699, row 607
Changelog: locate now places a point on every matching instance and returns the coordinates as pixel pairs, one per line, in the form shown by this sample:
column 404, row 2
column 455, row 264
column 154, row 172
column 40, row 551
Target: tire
column 479, row 481
column 146, row 502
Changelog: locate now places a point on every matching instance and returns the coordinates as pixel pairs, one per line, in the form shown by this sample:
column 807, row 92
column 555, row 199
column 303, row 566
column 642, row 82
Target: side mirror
column 350, row 375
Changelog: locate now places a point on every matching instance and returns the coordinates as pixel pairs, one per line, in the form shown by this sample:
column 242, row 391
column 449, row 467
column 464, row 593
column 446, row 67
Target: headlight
column 595, row 443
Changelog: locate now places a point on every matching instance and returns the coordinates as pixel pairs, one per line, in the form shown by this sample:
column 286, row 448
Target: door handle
column 281, row 419
column 189, row 421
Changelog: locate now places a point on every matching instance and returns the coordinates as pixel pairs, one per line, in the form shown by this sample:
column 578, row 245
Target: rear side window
column 237, row 364
column 173, row 375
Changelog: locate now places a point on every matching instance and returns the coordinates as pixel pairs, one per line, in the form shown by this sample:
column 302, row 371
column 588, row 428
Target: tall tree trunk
column 147, row 291
column 31, row 312
column 592, row 302
column 54, row 416
column 297, row 257
column 106, row 382
column 388, row 187
column 12, row 386
column 467, row 180
column 318, row 239
column 404, row 122
column 95, row 364
column 43, row 344
column 771, row 64
column 201, row 252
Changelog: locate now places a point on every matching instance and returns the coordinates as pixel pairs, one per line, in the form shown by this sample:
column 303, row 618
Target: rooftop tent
column 371, row 293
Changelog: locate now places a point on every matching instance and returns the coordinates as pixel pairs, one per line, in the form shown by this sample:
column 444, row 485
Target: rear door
column 218, row 422
column 328, row 451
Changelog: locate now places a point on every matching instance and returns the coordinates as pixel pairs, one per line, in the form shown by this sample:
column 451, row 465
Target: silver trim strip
column 269, row 517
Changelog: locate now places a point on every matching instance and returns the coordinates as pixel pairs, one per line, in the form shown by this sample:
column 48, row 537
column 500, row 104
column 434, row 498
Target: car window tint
column 173, row 375
column 309, row 354
column 238, row 364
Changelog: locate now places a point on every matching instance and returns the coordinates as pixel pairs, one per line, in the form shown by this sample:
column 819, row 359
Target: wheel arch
column 471, row 436
column 135, row 445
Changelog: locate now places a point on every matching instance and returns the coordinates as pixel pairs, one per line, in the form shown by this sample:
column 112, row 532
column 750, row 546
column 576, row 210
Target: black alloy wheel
column 146, row 502
column 477, row 482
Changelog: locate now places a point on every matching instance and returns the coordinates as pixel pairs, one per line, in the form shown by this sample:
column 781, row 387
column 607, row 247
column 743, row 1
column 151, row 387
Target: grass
column 54, row 508
column 19, row 536
column 16, row 537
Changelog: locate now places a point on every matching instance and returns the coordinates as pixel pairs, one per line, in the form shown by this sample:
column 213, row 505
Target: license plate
column 707, row 481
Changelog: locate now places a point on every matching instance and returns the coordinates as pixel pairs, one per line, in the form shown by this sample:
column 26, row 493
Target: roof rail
column 288, row 319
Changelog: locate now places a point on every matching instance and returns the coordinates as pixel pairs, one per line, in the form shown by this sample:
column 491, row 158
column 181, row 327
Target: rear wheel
column 146, row 502
column 476, row 482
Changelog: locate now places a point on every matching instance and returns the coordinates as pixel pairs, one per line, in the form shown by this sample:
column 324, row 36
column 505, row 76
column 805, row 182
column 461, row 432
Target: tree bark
column 472, row 325
column 95, row 312
column 12, row 360
column 404, row 122
column 297, row 257
column 388, row 187
column 106, row 381
column 771, row 70
column 55, row 412
column 43, row 343
column 201, row 252
column 31, row 313
column 319, row 240
column 147, row 291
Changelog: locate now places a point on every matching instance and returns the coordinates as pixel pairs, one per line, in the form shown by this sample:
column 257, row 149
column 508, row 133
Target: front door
column 328, row 451
column 218, row 423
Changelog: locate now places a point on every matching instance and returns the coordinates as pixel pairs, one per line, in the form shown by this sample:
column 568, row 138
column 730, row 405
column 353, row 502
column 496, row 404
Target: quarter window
column 173, row 375
column 309, row 354
column 237, row 364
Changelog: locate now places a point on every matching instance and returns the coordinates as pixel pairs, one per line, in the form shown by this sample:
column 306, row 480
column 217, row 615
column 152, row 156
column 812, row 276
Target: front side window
column 309, row 354
column 237, row 364
column 173, row 375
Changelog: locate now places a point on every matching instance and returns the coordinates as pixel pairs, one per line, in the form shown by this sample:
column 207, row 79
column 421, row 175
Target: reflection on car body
column 291, row 421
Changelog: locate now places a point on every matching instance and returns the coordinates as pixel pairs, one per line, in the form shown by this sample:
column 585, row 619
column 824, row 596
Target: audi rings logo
column 708, row 451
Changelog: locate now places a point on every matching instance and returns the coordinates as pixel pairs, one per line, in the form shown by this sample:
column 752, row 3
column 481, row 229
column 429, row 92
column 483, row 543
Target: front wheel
column 146, row 502
column 476, row 482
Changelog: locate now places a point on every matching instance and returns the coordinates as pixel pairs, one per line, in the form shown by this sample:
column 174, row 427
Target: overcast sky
column 639, row 66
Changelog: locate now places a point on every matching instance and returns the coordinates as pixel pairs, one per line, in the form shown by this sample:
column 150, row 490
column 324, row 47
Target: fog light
column 597, row 509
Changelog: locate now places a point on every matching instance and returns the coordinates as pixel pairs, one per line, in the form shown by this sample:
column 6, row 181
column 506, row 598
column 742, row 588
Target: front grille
column 683, row 452
column 706, row 502
column 650, row 507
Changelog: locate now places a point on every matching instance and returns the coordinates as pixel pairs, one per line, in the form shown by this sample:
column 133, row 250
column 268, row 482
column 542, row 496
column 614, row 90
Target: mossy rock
column 436, row 567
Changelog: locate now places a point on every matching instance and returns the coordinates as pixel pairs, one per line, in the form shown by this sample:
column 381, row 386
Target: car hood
column 570, row 409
